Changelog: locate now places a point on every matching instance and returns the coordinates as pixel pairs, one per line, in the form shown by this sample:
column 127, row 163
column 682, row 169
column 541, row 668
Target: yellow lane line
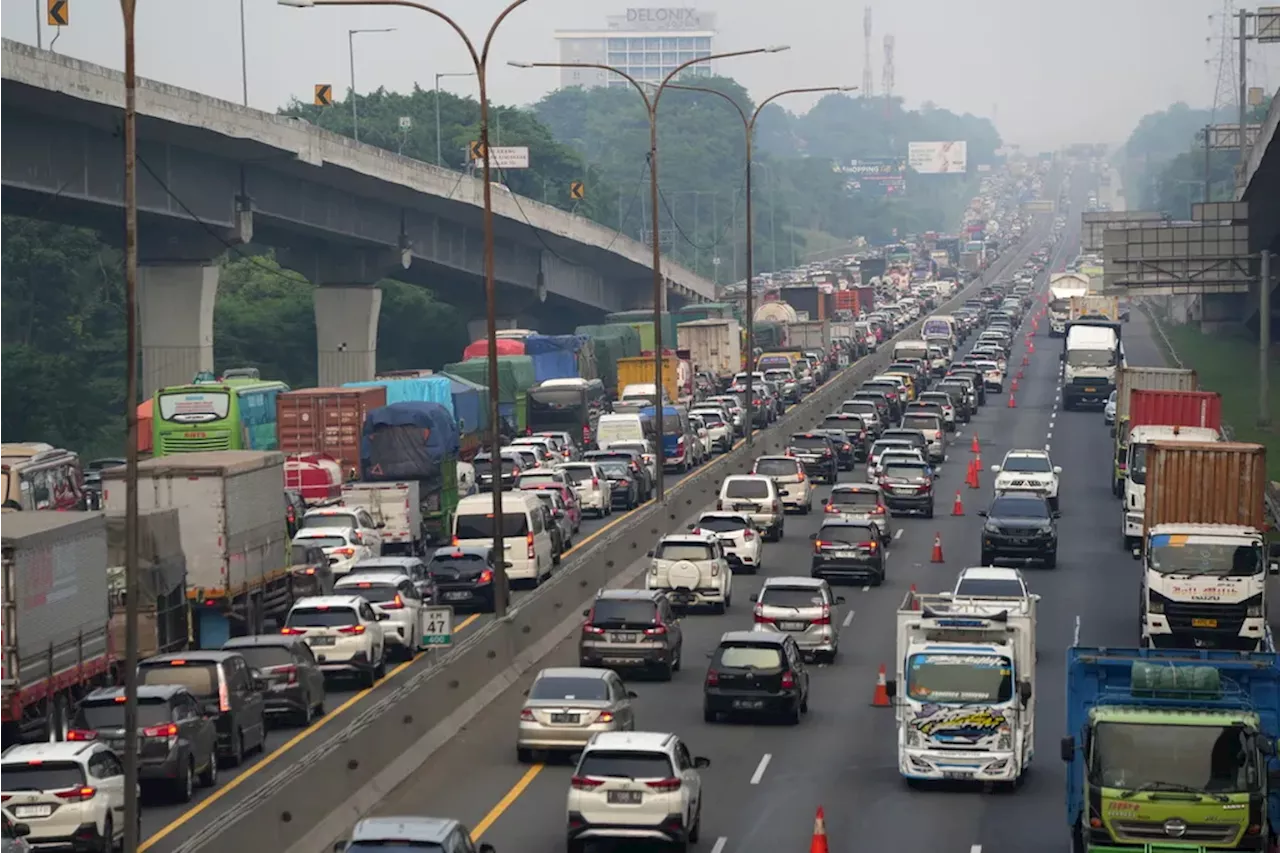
column 505, row 803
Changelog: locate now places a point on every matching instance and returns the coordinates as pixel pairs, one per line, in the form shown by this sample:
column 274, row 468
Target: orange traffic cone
column 1012, row 404
column 1014, row 385
column 1025, row 359
column 1019, row 373
column 819, row 843
column 880, row 699
column 957, row 508
column 915, row 602
column 971, row 479
column 936, row 557
column 1031, row 347
column 975, row 447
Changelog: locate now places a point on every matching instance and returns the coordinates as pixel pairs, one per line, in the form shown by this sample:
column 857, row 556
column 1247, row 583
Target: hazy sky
column 1052, row 72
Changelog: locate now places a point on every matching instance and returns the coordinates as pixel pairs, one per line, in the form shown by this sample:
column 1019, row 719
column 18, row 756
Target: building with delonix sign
column 646, row 43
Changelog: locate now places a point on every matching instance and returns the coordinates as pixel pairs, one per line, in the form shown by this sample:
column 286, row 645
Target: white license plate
column 957, row 774
column 793, row 626
column 624, row 638
column 459, row 595
column 748, row 704
column 565, row 718
column 321, row 641
column 625, row 798
column 21, row 812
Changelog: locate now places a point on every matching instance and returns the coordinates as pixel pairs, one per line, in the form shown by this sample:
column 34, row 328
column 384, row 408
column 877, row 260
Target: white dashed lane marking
column 848, row 620
column 764, row 764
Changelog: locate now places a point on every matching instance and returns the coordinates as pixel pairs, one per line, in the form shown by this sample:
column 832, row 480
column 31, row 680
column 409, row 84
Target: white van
column 526, row 539
column 911, row 349
column 613, row 428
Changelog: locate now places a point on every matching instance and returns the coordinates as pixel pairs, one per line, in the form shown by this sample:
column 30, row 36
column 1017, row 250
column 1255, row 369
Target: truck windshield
column 1060, row 306
column 1204, row 555
column 959, row 678
column 1091, row 358
column 1137, row 469
column 1146, row 757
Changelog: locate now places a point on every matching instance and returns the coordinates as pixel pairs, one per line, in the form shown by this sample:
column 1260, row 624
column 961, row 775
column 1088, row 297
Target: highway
column 765, row 781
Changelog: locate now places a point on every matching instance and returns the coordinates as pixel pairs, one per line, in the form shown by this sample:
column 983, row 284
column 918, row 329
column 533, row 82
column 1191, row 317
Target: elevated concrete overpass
column 1261, row 189
column 214, row 175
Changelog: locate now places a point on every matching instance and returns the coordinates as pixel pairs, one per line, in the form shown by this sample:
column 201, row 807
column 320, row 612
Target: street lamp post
column 440, row 76
column 659, row 290
column 351, row 60
column 480, row 59
column 749, row 128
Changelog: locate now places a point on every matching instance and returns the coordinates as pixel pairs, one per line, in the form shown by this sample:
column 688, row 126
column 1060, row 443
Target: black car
column 817, row 453
column 955, row 389
column 848, row 439
column 463, row 576
column 890, row 390
column 907, row 487
column 177, row 744
column 624, row 483
column 295, row 684
column 849, row 551
column 975, row 376
column 758, row 673
column 1020, row 528
column 508, row 468
column 878, row 399
column 636, row 466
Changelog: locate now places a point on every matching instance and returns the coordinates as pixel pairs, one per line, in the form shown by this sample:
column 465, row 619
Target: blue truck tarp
column 554, row 356
column 470, row 404
column 407, row 441
column 417, row 389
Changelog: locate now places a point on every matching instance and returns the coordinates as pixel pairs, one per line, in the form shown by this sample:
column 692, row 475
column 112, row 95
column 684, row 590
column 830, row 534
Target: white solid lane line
column 897, row 534
column 759, row 774
column 976, row 848
column 848, row 620
column 718, row 847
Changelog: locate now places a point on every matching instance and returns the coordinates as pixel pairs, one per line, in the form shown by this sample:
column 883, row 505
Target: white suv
column 742, row 543
column 344, row 633
column 69, row 793
column 1028, row 471
column 719, row 427
column 635, row 786
column 394, row 594
column 693, row 570
column 590, row 485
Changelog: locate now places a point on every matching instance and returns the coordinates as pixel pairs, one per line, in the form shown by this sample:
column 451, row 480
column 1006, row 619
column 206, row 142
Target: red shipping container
column 326, row 421
column 1175, row 408
column 480, row 348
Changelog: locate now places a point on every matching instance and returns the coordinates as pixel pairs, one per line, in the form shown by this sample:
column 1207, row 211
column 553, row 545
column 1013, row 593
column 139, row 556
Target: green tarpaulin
column 515, row 374
column 611, row 341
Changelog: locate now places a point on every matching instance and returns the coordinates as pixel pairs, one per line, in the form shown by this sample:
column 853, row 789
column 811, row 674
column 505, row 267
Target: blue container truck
column 1172, row 750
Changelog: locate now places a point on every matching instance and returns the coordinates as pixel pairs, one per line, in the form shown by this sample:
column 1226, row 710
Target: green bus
column 236, row 411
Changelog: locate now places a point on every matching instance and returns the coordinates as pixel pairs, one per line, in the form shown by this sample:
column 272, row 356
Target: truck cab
column 1091, row 356
column 966, row 667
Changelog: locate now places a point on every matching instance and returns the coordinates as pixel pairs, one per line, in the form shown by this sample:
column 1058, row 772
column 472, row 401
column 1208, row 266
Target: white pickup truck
column 397, row 505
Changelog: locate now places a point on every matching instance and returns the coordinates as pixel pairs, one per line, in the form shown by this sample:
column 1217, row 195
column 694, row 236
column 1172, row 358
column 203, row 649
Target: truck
column 1162, row 415
column 1062, row 287
column 408, row 475
column 234, row 534
column 1204, row 556
column 639, row 371
column 810, row 335
column 1092, row 355
column 56, row 620
column 1094, row 307
column 397, row 508
column 967, row 668
column 162, row 583
column 1146, row 378
column 1171, row 750
column 327, row 421
column 971, row 263
column 714, row 346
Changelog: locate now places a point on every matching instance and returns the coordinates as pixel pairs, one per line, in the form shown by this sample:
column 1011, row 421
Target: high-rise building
column 648, row 44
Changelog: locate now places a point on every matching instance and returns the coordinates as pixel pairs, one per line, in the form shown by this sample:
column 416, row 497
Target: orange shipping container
column 1206, row 483
column 326, row 420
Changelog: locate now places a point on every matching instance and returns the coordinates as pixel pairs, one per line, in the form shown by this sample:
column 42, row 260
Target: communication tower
column 1223, row 64
column 867, row 79
column 886, row 76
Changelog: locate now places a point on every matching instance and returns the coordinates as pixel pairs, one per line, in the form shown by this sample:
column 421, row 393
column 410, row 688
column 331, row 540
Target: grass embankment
column 1228, row 364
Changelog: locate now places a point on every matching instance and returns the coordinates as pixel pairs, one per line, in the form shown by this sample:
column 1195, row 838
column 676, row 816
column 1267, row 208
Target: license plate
column 564, row 718
column 625, row 798
column 459, row 595
column 624, row 638
column 744, row 507
column 748, row 704
column 32, row 811
column 1204, row 623
column 793, row 626
column 957, row 774
column 1090, row 390
column 321, row 641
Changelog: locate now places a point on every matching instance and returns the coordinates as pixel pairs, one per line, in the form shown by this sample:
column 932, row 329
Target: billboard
column 938, row 158
column 875, row 175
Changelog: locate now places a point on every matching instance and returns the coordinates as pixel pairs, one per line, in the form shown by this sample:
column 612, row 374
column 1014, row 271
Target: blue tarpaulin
column 406, row 441
column 417, row 389
column 470, row 404
column 554, row 356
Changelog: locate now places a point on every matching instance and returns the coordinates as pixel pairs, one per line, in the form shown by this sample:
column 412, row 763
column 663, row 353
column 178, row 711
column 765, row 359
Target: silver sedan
column 567, row 706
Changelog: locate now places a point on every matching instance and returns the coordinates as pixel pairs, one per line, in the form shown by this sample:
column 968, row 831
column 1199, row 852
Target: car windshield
column 851, row 501
column 791, row 596
column 905, row 471
column 859, row 407
column 321, row 617
column 897, row 444
column 1018, row 507
column 1027, row 464
column 852, row 534
column 97, row 714
column 779, row 376
column 1091, row 358
column 1204, row 556
column 625, row 765
column 548, row 479
column 988, row 588
column 921, row 422
column 958, row 678
column 263, row 657
column 776, row 468
column 754, row 489
column 722, row 524
column 844, row 425
column 615, row 469
column 41, row 776
column 569, row 687
column 750, row 656
column 711, row 419
column 624, row 611
column 375, row 593
column 1170, row 757
column 329, row 519
column 578, row 473
column 684, row 551
column 200, row 678
column 808, row 442
column 321, row 541
column 481, row 526
column 457, row 558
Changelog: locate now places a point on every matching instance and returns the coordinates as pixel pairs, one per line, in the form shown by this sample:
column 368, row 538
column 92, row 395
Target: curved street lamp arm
column 649, row 105
column 769, row 100
column 746, row 122
column 697, row 59
column 493, row 28
column 421, row 7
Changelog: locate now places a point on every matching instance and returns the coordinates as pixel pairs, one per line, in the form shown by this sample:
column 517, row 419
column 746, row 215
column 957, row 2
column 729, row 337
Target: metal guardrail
column 1272, row 494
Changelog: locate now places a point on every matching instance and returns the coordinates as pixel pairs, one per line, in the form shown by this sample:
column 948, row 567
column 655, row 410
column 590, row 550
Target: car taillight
column 82, row 734
column 78, row 795
column 595, row 482
column 345, row 552
column 759, row 618
column 528, row 430
column 870, row 546
column 585, row 783
column 528, row 541
column 656, row 631
column 788, row 453
column 455, row 541
column 291, row 631
column 664, row 784
column 396, row 603
column 833, row 509
column 879, row 510
column 788, row 680
column 800, row 474
column 586, row 434
column 818, row 544
column 824, row 619
column 485, row 577
column 713, row 678
column 527, row 716
column 776, row 508
column 605, row 717
column 747, row 535
column 826, row 452
column 288, row 672
column 224, row 697
column 588, row 628
column 351, row 629
column 166, row 730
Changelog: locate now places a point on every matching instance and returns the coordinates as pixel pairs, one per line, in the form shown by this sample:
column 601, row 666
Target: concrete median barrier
column 341, row 772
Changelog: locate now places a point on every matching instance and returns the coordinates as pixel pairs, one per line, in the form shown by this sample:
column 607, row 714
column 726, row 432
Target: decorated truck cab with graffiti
column 1171, row 749
column 964, row 694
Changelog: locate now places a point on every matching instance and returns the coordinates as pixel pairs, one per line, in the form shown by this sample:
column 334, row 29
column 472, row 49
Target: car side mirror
column 649, row 554
column 1057, row 469
column 21, row 830
column 339, row 846
column 383, row 617
column 995, row 469
column 891, row 688
column 1024, row 692
column 486, row 848
column 1067, row 748
column 631, row 694
column 813, row 536
column 700, row 762
column 1056, row 514
column 380, row 525
column 754, row 598
column 691, row 527
column 839, row 599
column 982, row 513
column 1137, row 553
column 210, row 709
column 1062, row 356
column 586, row 612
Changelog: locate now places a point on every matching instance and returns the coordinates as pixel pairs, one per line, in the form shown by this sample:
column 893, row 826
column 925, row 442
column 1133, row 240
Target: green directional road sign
column 437, row 626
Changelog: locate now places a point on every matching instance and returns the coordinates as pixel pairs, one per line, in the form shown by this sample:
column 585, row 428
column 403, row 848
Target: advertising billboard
column 875, row 175
column 938, row 158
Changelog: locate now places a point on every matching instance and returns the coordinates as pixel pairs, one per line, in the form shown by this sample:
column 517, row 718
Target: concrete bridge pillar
column 347, row 332
column 175, row 313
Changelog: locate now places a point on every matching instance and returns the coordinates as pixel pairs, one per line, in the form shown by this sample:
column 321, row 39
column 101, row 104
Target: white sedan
column 1028, row 471
column 742, row 543
column 591, row 486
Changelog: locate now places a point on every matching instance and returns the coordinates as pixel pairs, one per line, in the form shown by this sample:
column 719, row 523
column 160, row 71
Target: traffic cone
column 975, row 447
column 971, row 479
column 1012, row 404
column 1026, row 359
column 880, row 699
column 819, row 843
column 957, row 508
column 1014, row 385
column 936, row 556
column 1019, row 373
column 915, row 601
column 1031, row 347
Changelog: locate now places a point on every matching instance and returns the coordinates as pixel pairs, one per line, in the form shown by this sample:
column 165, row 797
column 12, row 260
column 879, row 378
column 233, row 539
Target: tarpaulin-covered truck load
column 515, row 378
column 612, row 342
column 706, row 311
column 326, row 421
column 470, row 412
column 56, row 644
column 560, row 357
column 642, row 320
column 414, row 389
column 162, row 582
column 506, row 346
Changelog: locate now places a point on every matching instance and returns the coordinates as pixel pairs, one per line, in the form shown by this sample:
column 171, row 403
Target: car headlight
column 1254, row 610
column 1154, row 606
column 913, row 737
column 990, row 528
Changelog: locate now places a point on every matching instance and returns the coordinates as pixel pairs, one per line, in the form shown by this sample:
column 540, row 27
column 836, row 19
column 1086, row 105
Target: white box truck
column 964, row 692
column 1062, row 287
column 714, row 346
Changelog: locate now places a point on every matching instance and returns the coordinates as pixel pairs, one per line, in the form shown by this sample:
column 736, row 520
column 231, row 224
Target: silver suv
column 804, row 608
column 757, row 497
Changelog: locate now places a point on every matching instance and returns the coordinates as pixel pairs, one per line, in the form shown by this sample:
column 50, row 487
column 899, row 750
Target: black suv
column 508, row 468
column 463, row 576
column 758, row 673
column 848, row 550
column 907, row 487
column 294, row 680
column 632, row 629
column 177, row 745
column 817, row 453
column 1020, row 528
column 846, row 443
